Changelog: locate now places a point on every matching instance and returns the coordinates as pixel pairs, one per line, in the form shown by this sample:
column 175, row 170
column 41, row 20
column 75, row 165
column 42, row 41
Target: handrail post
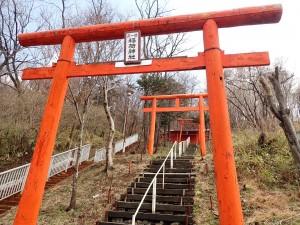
column 69, row 160
column 163, row 178
column 24, row 178
column 154, row 195
column 154, row 185
column 171, row 162
column 175, row 148
column 180, row 149
column 50, row 167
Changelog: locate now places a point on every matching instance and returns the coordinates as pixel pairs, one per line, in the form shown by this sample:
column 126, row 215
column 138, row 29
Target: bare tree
column 158, row 47
column 16, row 16
column 109, row 144
column 277, row 102
column 101, row 12
column 80, row 98
column 245, row 97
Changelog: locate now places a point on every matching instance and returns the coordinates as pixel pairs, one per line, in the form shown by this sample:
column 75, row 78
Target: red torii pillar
column 213, row 59
column 176, row 108
column 182, row 122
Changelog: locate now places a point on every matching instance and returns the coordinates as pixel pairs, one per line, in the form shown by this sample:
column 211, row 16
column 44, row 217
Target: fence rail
column 100, row 154
column 12, row 181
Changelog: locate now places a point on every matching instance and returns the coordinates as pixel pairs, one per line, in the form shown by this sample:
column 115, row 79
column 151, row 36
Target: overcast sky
column 281, row 40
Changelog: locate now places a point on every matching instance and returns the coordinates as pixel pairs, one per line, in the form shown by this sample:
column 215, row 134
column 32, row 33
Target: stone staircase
column 174, row 202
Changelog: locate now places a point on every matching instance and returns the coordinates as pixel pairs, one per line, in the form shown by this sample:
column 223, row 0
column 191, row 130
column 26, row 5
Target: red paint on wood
column 229, row 205
column 173, row 24
column 152, row 128
column 202, row 127
column 176, row 109
column 32, row 195
column 158, row 65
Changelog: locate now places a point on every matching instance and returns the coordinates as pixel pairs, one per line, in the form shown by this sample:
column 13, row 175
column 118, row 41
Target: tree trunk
column 145, row 127
column 69, row 142
column 127, row 102
column 282, row 113
column 157, row 132
column 165, row 136
column 111, row 134
column 72, row 204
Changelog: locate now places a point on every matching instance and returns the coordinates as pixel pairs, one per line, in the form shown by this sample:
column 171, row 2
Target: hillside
column 269, row 190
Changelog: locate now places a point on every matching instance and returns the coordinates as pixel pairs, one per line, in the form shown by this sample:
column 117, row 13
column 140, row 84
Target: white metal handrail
column 182, row 146
column 62, row 161
column 154, row 183
column 188, row 141
column 100, row 154
column 119, row 146
column 128, row 141
column 12, row 181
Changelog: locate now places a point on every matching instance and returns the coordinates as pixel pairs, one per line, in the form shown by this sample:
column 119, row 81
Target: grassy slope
column 269, row 190
column 266, row 175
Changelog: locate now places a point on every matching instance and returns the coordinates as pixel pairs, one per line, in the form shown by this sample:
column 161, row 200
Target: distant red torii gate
column 213, row 60
column 177, row 108
column 186, row 121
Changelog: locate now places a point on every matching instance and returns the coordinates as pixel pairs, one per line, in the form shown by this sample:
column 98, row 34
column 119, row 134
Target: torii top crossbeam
column 166, row 25
column 177, row 107
column 213, row 60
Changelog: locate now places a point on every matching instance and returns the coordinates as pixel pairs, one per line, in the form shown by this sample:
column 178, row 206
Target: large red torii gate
column 177, row 108
column 213, row 60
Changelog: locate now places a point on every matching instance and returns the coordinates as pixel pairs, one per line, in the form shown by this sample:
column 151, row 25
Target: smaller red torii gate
column 185, row 122
column 177, row 108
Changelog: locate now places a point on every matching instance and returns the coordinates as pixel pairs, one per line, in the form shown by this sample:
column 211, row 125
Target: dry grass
column 92, row 182
column 266, row 206
column 279, row 206
column 205, row 193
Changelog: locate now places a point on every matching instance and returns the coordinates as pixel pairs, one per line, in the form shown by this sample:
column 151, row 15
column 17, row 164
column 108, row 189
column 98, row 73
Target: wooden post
column 180, row 132
column 202, row 127
column 229, row 205
column 152, row 128
column 31, row 199
column 177, row 103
